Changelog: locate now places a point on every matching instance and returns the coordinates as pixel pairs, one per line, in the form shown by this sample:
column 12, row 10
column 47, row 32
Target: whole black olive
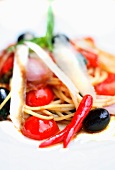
column 4, row 112
column 96, row 120
column 3, row 93
column 60, row 36
column 25, row 36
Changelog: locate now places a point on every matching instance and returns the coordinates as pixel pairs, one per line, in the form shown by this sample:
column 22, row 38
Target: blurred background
column 74, row 17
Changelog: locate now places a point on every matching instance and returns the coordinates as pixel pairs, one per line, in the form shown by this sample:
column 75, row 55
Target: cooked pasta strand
column 63, row 117
column 37, row 115
column 5, row 101
column 63, row 106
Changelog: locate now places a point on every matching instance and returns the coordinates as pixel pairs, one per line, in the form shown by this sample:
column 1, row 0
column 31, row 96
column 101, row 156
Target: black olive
column 96, row 120
column 25, row 36
column 4, row 112
column 60, row 36
column 3, row 93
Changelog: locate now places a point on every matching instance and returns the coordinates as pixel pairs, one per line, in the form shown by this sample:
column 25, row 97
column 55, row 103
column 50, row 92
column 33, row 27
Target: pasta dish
column 52, row 80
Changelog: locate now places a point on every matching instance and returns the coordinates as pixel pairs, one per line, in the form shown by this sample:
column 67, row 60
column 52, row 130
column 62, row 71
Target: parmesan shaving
column 18, row 86
column 74, row 92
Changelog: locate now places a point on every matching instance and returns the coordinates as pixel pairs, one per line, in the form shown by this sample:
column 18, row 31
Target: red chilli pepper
column 78, row 118
column 54, row 139
column 69, row 131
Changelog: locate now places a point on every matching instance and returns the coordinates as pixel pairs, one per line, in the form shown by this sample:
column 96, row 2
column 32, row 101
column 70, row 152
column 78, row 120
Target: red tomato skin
column 8, row 64
column 107, row 87
column 39, row 129
column 91, row 57
column 40, row 97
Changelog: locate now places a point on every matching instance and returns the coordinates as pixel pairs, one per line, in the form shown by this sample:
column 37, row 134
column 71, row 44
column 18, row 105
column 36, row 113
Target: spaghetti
column 63, row 108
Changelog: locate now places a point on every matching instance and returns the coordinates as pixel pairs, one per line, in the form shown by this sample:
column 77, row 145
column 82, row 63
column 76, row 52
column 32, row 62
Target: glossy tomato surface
column 38, row 129
column 107, row 87
column 8, row 65
column 40, row 97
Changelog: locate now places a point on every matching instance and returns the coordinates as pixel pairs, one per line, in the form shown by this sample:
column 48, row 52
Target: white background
column 83, row 17
column 78, row 17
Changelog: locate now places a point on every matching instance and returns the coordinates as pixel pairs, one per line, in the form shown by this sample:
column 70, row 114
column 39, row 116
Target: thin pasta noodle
column 63, row 97
column 63, row 117
column 54, row 81
column 57, row 106
column 62, row 108
column 98, row 77
column 62, row 105
column 37, row 114
column 47, row 112
column 56, row 102
column 59, row 114
column 5, row 101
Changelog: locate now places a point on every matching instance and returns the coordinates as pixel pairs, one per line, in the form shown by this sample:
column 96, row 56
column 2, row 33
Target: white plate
column 94, row 18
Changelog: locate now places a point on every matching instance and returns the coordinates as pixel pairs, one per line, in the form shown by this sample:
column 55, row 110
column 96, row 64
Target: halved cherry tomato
column 107, row 87
column 39, row 129
column 91, row 57
column 39, row 97
column 8, row 64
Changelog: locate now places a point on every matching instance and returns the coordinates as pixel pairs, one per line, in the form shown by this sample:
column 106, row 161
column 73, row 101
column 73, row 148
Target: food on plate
column 54, row 80
column 92, row 122
column 25, row 36
column 4, row 111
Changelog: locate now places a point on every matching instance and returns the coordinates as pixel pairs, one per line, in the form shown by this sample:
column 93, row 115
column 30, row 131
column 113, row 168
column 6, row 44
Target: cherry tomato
column 39, row 97
column 39, row 129
column 107, row 87
column 8, row 65
column 91, row 57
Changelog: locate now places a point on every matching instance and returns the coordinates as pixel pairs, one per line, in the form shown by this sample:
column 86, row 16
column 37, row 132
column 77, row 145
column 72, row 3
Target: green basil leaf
column 41, row 41
column 46, row 41
column 50, row 28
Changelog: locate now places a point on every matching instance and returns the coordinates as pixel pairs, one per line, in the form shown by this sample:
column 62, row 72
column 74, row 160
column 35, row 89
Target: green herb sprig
column 46, row 41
